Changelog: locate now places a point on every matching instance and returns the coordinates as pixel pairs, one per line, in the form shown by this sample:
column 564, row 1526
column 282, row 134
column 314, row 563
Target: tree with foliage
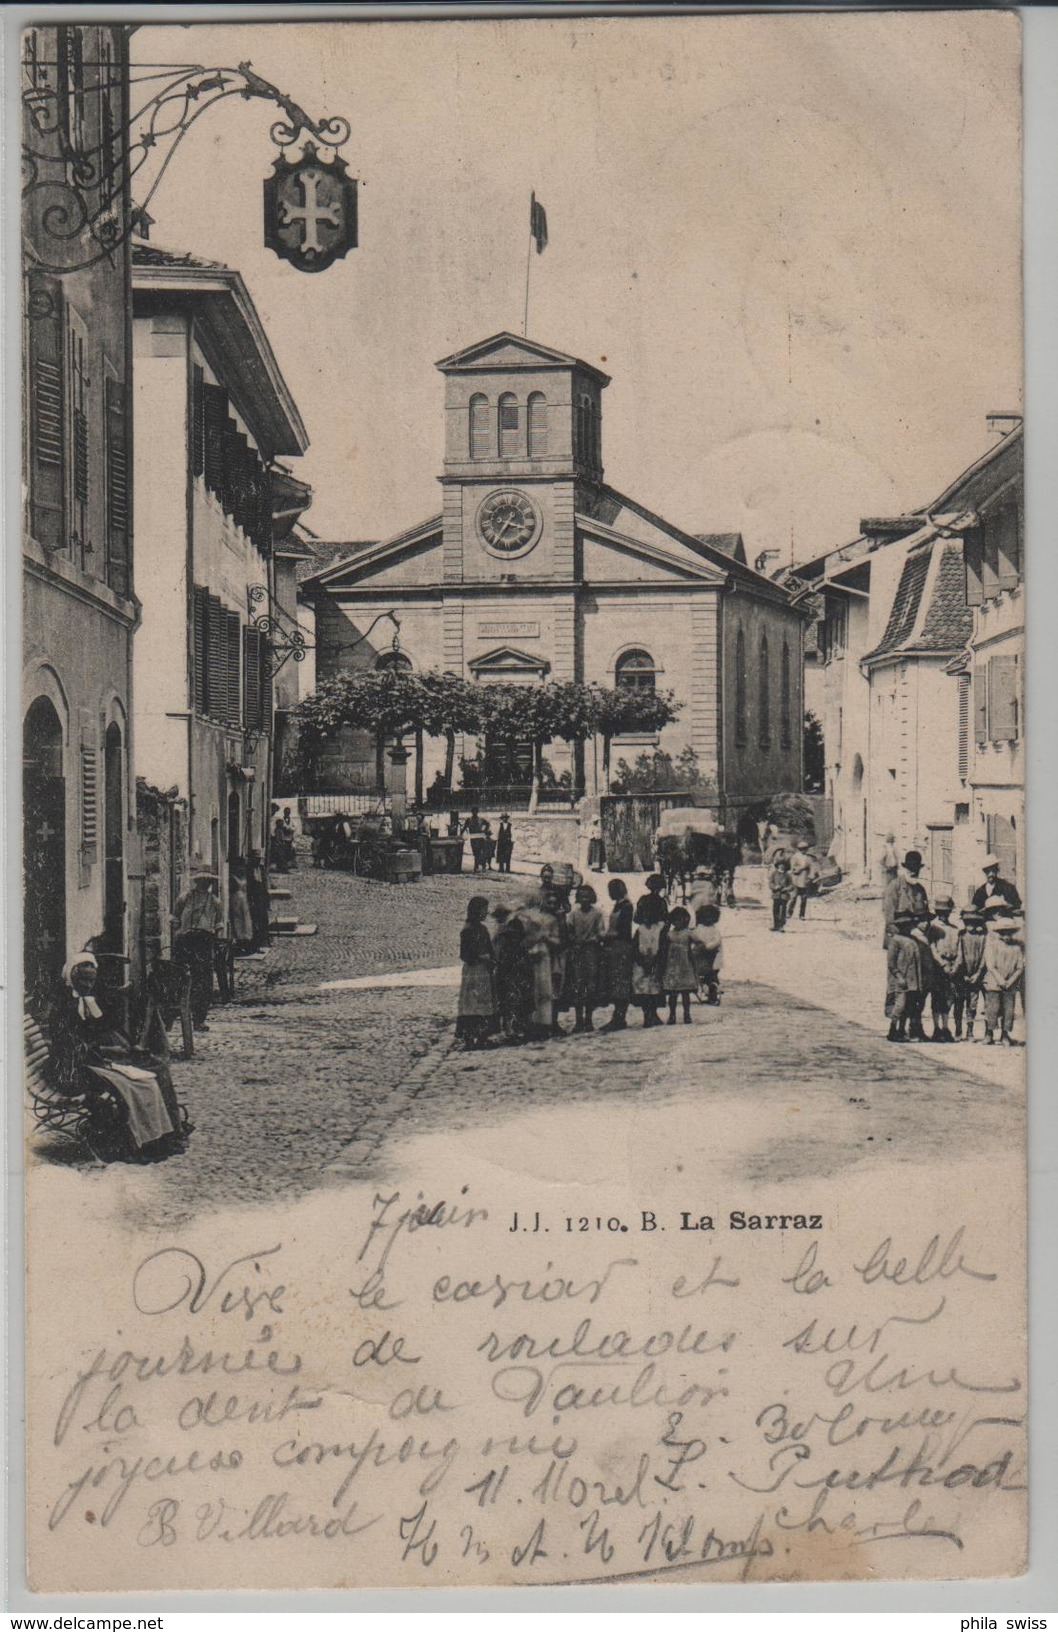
column 620, row 710
column 661, row 773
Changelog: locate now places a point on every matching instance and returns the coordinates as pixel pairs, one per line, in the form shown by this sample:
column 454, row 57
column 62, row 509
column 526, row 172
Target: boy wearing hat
column 944, row 945
column 903, row 985
column 802, row 877
column 969, row 971
column 1004, row 968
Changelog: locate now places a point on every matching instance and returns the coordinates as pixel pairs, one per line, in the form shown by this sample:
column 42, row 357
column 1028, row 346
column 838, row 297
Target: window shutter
column 989, row 562
column 89, row 787
column 1008, row 547
column 964, row 726
column 251, row 670
column 981, row 703
column 266, row 681
column 118, row 520
column 198, row 421
column 233, row 643
column 216, row 665
column 1003, row 699
column 973, row 560
column 47, row 437
column 216, row 424
column 201, row 645
column 229, row 488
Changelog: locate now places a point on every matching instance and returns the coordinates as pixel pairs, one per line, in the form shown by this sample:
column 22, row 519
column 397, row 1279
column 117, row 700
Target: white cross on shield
column 310, row 210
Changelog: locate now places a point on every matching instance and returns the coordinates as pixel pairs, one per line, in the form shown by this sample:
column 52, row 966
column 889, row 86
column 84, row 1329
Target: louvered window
column 216, row 427
column 964, row 726
column 216, row 663
column 89, row 789
column 118, row 519
column 79, row 422
column 785, row 721
column 201, row 646
column 740, row 690
column 1007, row 531
column 232, row 644
column 973, row 559
column 198, row 421
column 479, row 426
column 509, row 437
column 47, row 411
column 251, row 672
column 537, row 425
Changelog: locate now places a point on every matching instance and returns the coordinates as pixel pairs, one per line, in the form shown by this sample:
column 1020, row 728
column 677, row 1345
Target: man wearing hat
column 803, row 873
column 904, row 893
column 1004, row 970
column 995, row 892
column 903, row 984
column 196, row 919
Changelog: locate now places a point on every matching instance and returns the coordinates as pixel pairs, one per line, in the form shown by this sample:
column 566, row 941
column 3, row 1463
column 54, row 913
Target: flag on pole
column 537, row 224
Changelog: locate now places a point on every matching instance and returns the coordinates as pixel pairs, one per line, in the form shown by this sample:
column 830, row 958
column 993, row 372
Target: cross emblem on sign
column 310, row 211
column 45, row 831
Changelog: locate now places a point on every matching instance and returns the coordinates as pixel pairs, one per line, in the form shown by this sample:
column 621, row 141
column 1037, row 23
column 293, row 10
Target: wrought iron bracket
column 285, row 637
column 76, row 205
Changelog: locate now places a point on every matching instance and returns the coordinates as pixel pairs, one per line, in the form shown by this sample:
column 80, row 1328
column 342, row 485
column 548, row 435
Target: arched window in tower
column 785, row 700
column 764, row 696
column 596, row 438
column 537, row 425
column 479, row 426
column 636, row 671
column 740, row 690
column 508, row 426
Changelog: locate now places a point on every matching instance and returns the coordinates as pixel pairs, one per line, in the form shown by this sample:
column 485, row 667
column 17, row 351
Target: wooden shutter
column 118, row 519
column 231, row 468
column 973, row 560
column 1008, row 547
column 198, row 421
column 265, row 661
column 47, row 411
column 964, row 726
column 990, row 561
column 232, row 645
column 200, row 621
column 89, row 787
column 981, row 703
column 1003, row 699
column 216, row 425
column 251, row 669
column 216, row 666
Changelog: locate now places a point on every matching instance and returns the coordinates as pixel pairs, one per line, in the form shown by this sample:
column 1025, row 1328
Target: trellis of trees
column 393, row 703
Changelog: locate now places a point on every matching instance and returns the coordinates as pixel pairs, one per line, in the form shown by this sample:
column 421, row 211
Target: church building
column 536, row 569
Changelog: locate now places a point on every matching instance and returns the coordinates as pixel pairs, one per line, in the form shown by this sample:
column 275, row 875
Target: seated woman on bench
column 87, row 1049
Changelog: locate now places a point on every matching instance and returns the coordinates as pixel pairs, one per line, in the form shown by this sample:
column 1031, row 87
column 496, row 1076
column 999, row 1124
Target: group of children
column 523, row 969
column 954, row 967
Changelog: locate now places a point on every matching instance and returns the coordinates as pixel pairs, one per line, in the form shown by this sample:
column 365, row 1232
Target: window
column 964, row 726
column 216, row 640
column 635, row 671
column 587, row 430
column 740, row 690
column 80, row 411
column 785, row 724
column 537, row 425
column 764, row 697
column 479, row 426
column 46, row 343
column 996, row 700
column 508, row 426
column 1007, row 529
column 117, row 462
column 1001, row 838
column 835, row 628
column 89, row 788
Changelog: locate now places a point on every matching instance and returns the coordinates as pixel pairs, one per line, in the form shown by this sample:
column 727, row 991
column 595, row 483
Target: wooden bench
column 74, row 1115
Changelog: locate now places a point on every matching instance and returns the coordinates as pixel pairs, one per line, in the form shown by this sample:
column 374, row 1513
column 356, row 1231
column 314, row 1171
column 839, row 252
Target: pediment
column 377, row 561
column 608, row 553
column 507, row 350
column 508, row 660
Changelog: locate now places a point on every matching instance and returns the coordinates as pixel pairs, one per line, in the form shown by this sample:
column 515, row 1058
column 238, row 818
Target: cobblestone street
column 296, row 1086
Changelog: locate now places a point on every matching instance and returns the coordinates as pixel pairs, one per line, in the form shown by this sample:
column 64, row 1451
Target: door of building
column 43, row 852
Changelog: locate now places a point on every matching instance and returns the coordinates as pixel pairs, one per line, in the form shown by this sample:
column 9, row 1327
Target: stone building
column 79, row 606
column 537, row 569
column 922, row 644
column 214, row 414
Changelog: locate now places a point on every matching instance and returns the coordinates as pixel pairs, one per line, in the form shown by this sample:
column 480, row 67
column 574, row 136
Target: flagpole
column 528, row 265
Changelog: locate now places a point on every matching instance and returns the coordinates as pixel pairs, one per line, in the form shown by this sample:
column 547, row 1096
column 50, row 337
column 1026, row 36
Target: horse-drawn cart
column 689, row 842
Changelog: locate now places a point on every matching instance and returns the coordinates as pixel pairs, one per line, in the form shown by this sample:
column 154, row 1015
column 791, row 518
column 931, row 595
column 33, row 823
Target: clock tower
column 522, row 437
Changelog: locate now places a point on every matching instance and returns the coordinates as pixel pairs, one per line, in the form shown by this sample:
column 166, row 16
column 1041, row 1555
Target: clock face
column 509, row 522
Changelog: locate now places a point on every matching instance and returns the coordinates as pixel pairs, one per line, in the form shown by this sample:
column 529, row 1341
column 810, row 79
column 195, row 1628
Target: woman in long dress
column 618, row 956
column 585, row 926
column 477, row 990
column 540, row 933
column 89, row 1054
